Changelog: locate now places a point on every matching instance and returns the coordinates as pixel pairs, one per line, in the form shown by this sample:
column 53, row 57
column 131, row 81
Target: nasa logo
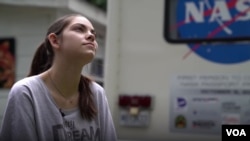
column 215, row 19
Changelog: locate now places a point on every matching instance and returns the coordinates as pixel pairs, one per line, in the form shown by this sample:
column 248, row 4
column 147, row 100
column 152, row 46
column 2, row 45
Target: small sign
column 139, row 120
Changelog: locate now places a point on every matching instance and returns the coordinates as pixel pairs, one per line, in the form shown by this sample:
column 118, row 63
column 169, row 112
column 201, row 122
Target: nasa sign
column 216, row 30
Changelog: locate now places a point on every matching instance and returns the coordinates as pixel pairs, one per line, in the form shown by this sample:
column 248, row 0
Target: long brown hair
column 43, row 59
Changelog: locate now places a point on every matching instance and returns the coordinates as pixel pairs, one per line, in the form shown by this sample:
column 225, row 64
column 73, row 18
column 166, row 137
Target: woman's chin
column 89, row 56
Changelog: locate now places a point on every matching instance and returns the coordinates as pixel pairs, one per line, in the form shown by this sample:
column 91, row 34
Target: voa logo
column 236, row 132
column 213, row 19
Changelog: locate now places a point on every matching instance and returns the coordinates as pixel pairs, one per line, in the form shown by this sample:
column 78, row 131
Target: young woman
column 56, row 102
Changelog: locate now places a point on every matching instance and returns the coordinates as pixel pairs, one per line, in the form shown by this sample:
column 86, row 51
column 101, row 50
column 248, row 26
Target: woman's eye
column 79, row 29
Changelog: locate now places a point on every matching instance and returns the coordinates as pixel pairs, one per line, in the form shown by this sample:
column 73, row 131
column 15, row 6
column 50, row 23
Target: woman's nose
column 90, row 36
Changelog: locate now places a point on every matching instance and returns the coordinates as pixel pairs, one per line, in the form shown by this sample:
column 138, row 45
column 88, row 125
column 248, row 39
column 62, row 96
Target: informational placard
column 140, row 120
column 201, row 103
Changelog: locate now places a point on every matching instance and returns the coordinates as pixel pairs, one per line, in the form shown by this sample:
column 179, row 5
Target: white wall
column 140, row 61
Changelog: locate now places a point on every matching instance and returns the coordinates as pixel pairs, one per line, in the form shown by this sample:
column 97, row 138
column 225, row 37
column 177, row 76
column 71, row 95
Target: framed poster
column 7, row 62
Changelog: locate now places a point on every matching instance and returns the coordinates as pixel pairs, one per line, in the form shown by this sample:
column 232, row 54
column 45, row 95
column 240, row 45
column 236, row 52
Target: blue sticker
column 181, row 102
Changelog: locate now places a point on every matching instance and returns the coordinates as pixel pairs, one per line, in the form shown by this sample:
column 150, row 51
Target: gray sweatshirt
column 32, row 115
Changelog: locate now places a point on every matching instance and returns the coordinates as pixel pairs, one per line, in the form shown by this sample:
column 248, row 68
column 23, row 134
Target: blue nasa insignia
column 211, row 19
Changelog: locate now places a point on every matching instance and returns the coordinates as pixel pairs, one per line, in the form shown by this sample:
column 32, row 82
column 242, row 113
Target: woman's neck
column 64, row 80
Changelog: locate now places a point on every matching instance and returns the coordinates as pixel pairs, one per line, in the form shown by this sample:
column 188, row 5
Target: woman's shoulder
column 23, row 87
column 98, row 91
column 95, row 87
column 25, row 83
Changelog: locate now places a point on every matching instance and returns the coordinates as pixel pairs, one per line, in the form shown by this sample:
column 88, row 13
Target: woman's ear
column 53, row 39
